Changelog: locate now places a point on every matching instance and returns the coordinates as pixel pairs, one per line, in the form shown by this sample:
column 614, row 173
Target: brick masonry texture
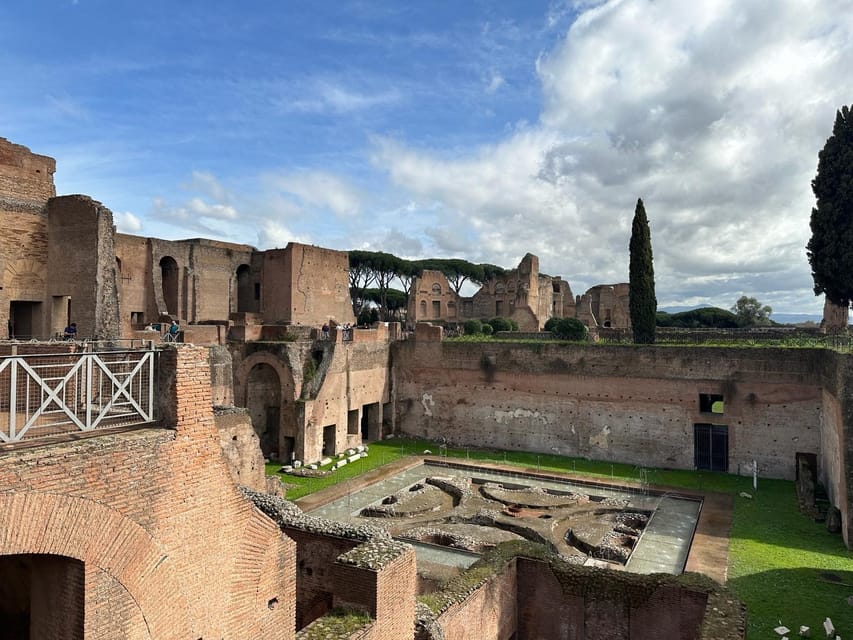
column 341, row 565
column 171, row 548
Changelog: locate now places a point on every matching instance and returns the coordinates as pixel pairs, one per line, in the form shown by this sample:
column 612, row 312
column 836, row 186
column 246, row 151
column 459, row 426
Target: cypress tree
column 641, row 277
column 830, row 249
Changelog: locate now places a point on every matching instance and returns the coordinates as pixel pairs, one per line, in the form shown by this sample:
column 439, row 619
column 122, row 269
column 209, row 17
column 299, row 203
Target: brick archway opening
column 41, row 596
column 263, row 400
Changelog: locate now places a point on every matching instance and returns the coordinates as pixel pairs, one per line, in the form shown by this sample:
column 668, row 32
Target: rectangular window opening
column 711, row 403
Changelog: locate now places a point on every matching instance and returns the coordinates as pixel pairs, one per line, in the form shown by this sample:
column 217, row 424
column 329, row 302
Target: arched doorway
column 41, row 596
column 263, row 400
column 244, row 289
column 169, row 276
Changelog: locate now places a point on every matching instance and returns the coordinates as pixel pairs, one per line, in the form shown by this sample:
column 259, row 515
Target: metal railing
column 49, row 394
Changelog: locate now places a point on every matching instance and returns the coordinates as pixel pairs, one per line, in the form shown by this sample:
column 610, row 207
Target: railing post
column 151, row 381
column 87, row 396
column 13, row 400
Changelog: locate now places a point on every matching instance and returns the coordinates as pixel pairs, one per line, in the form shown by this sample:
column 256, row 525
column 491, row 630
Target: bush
column 473, row 327
column 550, row 323
column 513, row 324
column 500, row 324
column 569, row 329
column 487, row 330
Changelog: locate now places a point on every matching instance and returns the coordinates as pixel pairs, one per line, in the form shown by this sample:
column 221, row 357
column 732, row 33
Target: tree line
column 371, row 274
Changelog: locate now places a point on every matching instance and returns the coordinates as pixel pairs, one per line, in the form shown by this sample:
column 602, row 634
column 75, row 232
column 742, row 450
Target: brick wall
column 26, row 183
column 612, row 403
column 306, row 285
column 166, row 538
column 82, row 267
column 614, row 606
column 493, row 607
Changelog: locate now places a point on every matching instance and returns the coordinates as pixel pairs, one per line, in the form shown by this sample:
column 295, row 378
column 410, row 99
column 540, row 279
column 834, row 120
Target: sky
column 463, row 128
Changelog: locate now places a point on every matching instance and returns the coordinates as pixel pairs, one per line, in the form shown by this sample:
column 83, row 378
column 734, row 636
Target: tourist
column 70, row 331
column 325, row 331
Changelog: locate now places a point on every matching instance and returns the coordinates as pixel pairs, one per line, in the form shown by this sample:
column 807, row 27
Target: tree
column 642, row 303
column 830, row 249
column 456, row 270
column 750, row 312
column 361, row 276
column 569, row 329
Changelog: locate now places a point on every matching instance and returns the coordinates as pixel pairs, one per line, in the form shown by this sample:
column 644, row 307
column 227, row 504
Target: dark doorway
column 370, row 422
column 711, row 447
column 263, row 400
column 26, row 319
column 41, row 596
column 169, row 275
column 289, row 447
column 436, row 309
column 329, row 440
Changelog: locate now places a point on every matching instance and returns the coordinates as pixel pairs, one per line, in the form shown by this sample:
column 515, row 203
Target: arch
column 499, row 288
column 423, row 313
column 288, row 393
column 169, row 277
column 436, row 289
column 84, row 530
column 244, row 289
column 41, row 596
column 263, row 400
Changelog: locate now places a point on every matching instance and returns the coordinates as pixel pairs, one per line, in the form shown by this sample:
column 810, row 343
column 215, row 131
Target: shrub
column 500, row 324
column 513, row 325
column 473, row 327
column 569, row 329
column 550, row 323
column 487, row 330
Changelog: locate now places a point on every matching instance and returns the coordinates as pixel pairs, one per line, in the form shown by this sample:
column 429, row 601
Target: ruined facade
column 605, row 305
column 522, row 294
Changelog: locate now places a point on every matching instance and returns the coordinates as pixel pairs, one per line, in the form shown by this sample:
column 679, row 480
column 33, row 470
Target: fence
column 54, row 393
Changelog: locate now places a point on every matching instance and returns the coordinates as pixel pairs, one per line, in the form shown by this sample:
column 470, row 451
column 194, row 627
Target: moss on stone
column 337, row 624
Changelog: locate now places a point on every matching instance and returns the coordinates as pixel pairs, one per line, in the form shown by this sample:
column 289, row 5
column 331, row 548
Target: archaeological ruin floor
column 451, row 512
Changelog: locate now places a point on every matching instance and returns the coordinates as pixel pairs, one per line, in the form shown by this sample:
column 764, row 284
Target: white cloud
column 318, row 189
column 126, row 222
column 324, row 95
column 198, row 207
column 496, row 81
column 713, row 112
column 273, row 235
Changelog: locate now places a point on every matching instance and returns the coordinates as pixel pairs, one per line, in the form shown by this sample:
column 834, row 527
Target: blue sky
column 483, row 130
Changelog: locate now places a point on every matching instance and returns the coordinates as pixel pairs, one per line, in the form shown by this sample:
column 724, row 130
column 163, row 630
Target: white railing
column 45, row 395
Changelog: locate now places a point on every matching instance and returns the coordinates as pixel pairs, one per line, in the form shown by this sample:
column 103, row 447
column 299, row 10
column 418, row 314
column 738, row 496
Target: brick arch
column 281, row 367
column 46, row 523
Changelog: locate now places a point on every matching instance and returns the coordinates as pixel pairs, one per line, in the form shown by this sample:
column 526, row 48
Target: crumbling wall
column 354, row 567
column 306, row 285
column 637, row 406
column 82, row 267
column 171, row 548
column 26, row 184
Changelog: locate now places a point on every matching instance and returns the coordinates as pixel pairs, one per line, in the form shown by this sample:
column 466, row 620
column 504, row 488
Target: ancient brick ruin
column 144, row 533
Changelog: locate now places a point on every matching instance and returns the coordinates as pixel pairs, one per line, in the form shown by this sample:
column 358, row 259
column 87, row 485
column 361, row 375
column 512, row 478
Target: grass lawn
column 778, row 558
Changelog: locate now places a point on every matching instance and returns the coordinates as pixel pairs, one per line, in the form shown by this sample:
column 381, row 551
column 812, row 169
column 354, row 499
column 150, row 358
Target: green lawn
column 778, row 558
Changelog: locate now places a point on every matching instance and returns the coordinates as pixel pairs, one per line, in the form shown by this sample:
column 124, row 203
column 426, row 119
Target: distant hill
column 781, row 318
